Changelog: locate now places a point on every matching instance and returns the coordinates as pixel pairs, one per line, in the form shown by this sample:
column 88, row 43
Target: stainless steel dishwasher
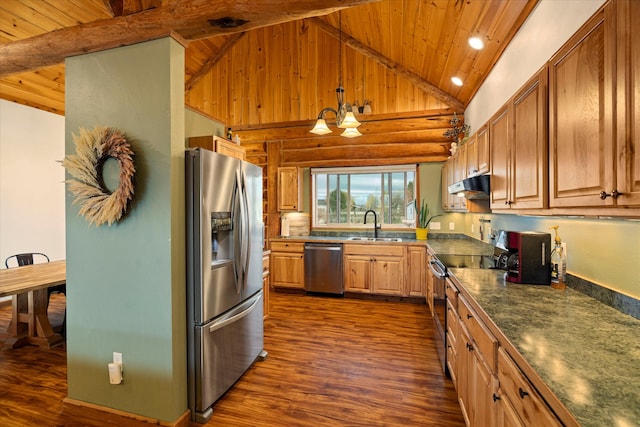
column 323, row 268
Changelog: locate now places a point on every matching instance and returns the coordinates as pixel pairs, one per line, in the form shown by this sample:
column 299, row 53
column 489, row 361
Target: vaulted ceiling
column 399, row 55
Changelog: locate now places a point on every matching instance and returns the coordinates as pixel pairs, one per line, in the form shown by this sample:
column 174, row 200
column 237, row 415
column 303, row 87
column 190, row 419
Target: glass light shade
column 349, row 121
column 351, row 133
column 320, row 128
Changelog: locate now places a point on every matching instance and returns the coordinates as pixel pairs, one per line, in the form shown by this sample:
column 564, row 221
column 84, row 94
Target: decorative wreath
column 93, row 149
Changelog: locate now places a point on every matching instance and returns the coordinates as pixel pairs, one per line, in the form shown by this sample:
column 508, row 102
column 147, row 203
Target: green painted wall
column 429, row 175
column 126, row 282
column 602, row 251
column 197, row 124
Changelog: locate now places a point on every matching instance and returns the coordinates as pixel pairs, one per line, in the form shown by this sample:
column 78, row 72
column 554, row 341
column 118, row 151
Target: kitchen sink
column 375, row 239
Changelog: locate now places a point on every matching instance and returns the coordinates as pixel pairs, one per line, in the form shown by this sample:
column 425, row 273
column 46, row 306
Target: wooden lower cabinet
column 287, row 265
column 520, row 403
column 366, row 271
column 471, row 360
column 492, row 389
column 416, row 271
column 357, row 273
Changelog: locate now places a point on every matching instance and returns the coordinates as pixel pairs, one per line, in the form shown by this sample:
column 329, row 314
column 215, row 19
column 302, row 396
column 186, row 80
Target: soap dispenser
column 558, row 263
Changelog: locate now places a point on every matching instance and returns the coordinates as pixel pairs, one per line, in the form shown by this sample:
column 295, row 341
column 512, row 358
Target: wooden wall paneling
column 277, row 90
column 308, row 73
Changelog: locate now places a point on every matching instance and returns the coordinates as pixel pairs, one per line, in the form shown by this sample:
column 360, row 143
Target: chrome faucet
column 376, row 227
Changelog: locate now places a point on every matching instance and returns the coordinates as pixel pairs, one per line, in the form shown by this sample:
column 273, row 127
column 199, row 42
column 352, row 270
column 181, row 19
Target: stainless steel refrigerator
column 224, row 274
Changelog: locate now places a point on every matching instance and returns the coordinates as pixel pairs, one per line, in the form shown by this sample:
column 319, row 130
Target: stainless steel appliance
column 526, row 256
column 439, row 307
column 323, row 268
column 475, row 187
column 439, row 266
column 224, row 275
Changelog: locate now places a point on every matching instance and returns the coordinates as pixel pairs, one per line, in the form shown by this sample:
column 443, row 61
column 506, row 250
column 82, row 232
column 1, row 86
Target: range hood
column 476, row 187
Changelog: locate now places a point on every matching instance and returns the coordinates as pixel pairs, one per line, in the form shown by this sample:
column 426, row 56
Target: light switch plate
column 434, row 226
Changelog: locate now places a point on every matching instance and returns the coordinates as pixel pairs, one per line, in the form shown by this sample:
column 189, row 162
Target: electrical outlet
column 452, row 226
column 473, row 228
column 564, row 248
column 434, row 226
column 117, row 358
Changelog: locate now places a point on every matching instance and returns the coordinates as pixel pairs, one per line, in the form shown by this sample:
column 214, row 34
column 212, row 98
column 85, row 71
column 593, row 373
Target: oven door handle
column 436, row 268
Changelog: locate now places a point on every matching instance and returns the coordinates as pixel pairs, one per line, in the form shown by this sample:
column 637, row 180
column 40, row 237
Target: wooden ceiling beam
column 391, row 65
column 188, row 19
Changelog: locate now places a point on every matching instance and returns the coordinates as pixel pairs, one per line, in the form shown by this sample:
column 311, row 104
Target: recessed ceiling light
column 476, row 43
column 456, row 81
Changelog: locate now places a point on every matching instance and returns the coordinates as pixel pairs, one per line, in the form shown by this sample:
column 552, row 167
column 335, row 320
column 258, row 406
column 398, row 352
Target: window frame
column 355, row 170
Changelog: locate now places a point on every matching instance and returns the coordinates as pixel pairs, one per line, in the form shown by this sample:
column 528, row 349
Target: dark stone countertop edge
column 595, row 346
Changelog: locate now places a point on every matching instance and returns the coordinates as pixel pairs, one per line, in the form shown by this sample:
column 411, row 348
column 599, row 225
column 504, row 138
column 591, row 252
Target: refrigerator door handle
column 238, row 233
column 246, row 241
column 221, row 324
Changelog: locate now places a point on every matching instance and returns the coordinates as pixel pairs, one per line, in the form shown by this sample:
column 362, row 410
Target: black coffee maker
column 526, row 256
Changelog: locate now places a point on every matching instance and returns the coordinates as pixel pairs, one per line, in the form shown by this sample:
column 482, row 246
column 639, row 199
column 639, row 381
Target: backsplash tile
column 620, row 302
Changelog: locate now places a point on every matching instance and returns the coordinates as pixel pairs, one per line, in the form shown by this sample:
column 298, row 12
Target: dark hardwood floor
column 332, row 362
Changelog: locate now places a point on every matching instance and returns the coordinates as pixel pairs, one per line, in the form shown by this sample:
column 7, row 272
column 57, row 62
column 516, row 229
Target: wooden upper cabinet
column 581, row 100
column 478, row 154
column 500, row 134
column 628, row 102
column 519, row 144
column 529, row 148
column 472, row 155
column 219, row 145
column 484, row 154
column 289, row 189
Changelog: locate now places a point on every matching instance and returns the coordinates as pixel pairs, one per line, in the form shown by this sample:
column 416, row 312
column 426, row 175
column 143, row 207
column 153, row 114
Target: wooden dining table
column 27, row 285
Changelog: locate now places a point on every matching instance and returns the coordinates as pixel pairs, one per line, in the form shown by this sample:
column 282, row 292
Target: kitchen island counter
column 585, row 353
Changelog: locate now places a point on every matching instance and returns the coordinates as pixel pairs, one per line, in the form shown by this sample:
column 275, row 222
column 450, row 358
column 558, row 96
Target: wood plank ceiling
column 267, row 67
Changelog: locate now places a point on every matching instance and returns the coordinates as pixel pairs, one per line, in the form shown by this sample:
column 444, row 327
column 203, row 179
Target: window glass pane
column 397, row 198
column 321, row 199
column 365, row 193
column 333, row 197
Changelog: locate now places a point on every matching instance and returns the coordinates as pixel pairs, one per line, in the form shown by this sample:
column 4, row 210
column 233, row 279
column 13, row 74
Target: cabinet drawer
column 373, row 250
column 287, row 247
column 452, row 295
column 529, row 406
column 486, row 343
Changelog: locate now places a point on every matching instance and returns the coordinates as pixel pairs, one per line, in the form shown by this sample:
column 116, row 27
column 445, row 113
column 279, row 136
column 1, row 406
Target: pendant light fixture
column 344, row 113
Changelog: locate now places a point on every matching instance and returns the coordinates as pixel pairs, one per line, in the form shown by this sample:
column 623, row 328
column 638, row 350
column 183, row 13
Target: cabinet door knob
column 469, row 346
column 522, row 393
column 495, row 397
column 469, row 316
column 614, row 194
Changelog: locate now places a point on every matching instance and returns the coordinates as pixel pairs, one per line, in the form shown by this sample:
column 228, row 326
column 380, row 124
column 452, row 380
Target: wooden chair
column 28, row 259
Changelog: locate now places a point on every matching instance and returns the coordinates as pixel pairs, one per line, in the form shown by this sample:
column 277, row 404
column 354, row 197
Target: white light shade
column 351, row 133
column 320, row 128
column 349, row 121
column 476, row 43
column 456, row 81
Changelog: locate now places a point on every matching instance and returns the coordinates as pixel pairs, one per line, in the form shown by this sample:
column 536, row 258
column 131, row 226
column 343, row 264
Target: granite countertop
column 586, row 352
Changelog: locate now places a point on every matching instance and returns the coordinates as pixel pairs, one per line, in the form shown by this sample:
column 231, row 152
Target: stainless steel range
column 439, row 266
